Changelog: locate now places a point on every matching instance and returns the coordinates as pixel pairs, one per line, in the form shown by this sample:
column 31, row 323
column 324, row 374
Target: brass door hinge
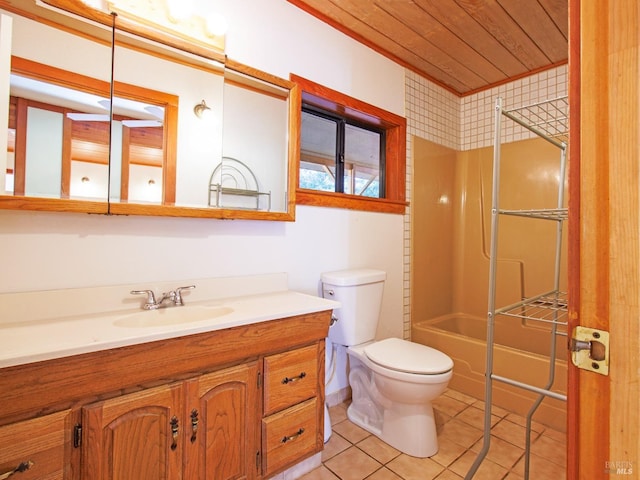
column 590, row 349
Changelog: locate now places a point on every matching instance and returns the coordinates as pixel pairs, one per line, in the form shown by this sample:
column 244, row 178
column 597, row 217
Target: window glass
column 319, row 139
column 339, row 156
column 362, row 162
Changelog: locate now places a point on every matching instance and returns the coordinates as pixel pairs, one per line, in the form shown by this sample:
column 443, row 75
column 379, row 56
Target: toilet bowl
column 393, row 381
column 393, row 384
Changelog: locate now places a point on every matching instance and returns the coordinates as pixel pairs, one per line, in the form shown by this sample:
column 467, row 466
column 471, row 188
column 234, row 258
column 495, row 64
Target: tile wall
column 464, row 123
column 476, row 111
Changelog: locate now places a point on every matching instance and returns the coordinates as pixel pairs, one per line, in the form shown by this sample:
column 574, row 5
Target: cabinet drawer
column 35, row 448
column 290, row 378
column 289, row 435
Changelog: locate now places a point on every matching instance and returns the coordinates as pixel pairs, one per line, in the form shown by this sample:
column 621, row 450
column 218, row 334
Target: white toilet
column 393, row 381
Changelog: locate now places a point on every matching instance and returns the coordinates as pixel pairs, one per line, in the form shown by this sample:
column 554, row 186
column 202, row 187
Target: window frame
column 394, row 127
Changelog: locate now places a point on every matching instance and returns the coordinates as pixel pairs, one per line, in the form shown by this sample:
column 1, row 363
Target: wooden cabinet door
column 224, row 444
column 35, row 449
column 136, row 436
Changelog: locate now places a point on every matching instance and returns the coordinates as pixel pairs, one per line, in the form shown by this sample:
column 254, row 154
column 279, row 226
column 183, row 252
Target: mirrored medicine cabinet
column 107, row 116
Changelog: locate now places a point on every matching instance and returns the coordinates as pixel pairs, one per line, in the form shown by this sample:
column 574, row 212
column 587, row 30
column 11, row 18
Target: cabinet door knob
column 286, row 380
column 175, row 428
column 23, row 467
column 194, row 425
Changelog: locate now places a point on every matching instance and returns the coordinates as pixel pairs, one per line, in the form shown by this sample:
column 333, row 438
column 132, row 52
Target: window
column 337, row 155
column 352, row 155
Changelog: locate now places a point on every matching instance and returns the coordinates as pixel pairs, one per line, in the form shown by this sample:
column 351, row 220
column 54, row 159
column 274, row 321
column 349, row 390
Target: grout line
column 472, row 403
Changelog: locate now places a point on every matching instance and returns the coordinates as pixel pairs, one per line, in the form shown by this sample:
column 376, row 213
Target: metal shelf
column 550, row 307
column 233, row 178
column 557, row 214
column 549, row 120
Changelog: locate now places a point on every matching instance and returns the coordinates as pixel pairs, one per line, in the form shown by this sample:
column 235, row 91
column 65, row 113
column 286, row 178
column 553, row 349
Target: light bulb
column 180, row 9
column 216, row 24
column 95, row 4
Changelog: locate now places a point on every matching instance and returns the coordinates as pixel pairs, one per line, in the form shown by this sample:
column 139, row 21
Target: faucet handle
column 178, row 294
column 151, row 298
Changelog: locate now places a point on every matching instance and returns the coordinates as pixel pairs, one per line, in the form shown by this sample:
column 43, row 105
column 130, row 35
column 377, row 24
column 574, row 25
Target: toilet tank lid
column 345, row 278
column 404, row 356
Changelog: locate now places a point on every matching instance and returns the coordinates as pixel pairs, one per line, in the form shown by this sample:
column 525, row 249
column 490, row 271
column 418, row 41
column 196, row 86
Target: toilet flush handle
column 334, row 319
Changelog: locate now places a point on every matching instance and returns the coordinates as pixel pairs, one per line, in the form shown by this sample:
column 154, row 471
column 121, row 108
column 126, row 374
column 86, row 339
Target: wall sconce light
column 201, row 108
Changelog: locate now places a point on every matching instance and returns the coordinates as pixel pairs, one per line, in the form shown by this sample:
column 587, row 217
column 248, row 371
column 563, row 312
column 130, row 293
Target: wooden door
column 223, row 410
column 604, row 240
column 135, row 436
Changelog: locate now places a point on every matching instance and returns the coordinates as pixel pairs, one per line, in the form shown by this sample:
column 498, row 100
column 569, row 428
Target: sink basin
column 172, row 316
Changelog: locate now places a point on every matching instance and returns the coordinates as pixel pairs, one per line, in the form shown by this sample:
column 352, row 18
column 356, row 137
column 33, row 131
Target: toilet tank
column 360, row 295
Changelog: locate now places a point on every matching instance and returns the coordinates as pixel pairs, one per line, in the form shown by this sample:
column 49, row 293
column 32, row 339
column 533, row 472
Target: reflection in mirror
column 143, row 122
column 58, row 139
column 153, row 161
column 161, row 148
column 53, row 152
column 254, row 171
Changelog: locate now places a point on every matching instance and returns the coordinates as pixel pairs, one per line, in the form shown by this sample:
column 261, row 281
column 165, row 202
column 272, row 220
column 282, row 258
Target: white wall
column 54, row 250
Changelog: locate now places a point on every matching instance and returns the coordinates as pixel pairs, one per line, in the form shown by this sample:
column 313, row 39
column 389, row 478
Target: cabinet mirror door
column 223, row 134
column 164, row 142
column 254, row 171
column 57, row 115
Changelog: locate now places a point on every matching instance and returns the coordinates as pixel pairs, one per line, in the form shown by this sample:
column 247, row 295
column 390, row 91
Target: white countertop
column 48, row 338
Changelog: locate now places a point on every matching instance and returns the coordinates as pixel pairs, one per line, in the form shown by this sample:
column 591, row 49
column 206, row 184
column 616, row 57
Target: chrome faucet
column 173, row 297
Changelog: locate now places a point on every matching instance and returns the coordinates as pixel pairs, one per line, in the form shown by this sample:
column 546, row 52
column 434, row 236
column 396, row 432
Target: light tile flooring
column 354, row 454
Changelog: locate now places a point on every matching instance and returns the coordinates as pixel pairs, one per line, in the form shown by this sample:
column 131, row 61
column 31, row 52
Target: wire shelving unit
column 548, row 120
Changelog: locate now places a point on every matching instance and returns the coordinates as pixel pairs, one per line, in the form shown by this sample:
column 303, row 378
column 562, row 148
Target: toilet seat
column 404, row 356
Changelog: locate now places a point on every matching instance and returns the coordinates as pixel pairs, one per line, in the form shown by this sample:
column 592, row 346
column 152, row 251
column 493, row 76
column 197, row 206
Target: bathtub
column 521, row 352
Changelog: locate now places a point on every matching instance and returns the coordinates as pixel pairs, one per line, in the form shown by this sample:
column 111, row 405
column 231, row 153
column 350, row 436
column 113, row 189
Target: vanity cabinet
column 291, row 423
column 243, row 403
column 36, row 448
column 199, row 429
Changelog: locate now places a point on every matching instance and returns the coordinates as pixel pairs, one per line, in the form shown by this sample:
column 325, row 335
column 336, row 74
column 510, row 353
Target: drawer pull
column 286, row 439
column 194, row 425
column 286, row 380
column 175, row 428
column 23, row 467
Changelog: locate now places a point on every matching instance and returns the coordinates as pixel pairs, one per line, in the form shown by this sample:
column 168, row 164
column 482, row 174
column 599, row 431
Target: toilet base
column 408, row 428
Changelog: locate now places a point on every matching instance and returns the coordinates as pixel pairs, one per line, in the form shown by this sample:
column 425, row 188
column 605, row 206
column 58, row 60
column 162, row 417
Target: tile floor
column 354, row 454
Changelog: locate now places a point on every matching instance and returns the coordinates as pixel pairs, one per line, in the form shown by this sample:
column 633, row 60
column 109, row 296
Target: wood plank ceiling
column 463, row 45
